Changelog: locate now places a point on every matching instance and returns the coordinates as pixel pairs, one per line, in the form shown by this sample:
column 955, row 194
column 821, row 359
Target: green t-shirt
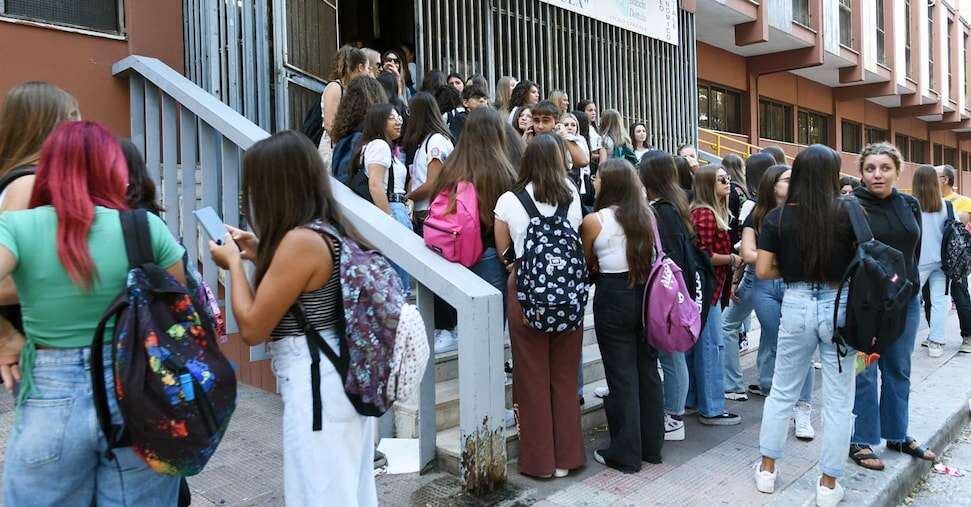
column 56, row 312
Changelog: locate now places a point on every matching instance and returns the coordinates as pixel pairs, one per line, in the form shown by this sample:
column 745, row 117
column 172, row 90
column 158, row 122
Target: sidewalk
column 712, row 467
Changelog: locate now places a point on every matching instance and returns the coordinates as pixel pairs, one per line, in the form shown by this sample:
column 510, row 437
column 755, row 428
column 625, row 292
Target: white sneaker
column 965, row 345
column 826, row 497
column 673, row 428
column 599, row 458
column 924, row 342
column 803, row 413
column 445, row 341
column 561, row 472
column 601, row 392
column 736, row 396
column 765, row 481
column 935, row 349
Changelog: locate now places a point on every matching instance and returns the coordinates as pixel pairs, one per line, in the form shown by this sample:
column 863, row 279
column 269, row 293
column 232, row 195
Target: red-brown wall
column 81, row 63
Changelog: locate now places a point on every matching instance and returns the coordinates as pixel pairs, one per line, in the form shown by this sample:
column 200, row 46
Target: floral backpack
column 383, row 346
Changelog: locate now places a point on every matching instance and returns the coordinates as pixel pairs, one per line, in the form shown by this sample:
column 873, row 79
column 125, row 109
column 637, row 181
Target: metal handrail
column 196, row 126
column 718, row 146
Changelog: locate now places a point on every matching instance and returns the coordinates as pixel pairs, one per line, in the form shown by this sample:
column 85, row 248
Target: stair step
column 447, row 441
column 447, row 392
column 447, row 363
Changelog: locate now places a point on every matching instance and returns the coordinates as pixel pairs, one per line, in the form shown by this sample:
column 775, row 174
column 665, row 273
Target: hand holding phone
column 212, row 224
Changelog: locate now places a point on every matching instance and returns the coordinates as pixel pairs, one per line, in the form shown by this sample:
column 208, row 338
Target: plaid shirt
column 712, row 240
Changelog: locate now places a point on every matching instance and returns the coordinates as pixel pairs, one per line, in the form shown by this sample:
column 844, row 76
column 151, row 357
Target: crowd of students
column 565, row 200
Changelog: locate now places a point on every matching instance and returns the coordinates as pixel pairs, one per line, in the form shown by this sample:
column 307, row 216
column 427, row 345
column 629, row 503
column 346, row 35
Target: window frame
column 788, row 117
column 801, row 15
column 950, row 28
column 859, row 135
column 120, row 33
column 908, row 53
column 881, row 32
column 902, row 142
column 924, row 145
column 809, row 114
column 711, row 90
column 867, row 130
column 846, row 9
column 931, row 82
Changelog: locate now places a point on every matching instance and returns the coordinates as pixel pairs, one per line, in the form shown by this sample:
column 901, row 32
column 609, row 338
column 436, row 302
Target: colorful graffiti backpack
column 383, row 344
column 175, row 389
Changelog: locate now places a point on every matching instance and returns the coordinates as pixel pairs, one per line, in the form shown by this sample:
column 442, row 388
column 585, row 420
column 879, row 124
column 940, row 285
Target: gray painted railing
column 193, row 144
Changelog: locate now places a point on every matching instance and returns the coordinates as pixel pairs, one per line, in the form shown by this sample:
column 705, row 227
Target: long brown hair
column 285, row 186
column 375, row 127
column 362, row 93
column 927, row 189
column 30, row 113
column 813, row 197
column 705, row 196
column 425, row 120
column 480, row 159
column 766, row 189
column 544, row 166
column 620, row 187
column 347, row 59
column 660, row 179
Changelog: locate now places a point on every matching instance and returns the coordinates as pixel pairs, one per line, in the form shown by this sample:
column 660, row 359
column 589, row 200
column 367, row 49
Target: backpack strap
column 316, row 345
column 138, row 237
column 528, row 204
column 15, row 174
column 657, row 236
column 861, row 228
column 947, row 204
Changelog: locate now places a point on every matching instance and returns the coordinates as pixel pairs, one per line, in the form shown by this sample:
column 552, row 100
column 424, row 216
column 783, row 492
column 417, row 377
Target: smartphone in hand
column 212, row 224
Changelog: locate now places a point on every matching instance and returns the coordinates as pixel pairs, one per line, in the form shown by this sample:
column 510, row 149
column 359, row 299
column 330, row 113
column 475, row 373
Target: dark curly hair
column 362, row 93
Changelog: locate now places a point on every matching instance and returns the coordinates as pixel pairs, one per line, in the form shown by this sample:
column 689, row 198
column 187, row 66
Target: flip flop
column 861, row 453
column 943, row 469
column 911, row 447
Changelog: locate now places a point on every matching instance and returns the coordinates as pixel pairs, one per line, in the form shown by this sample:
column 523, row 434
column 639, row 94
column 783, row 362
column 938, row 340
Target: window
column 938, row 154
column 947, row 61
column 800, row 12
column 872, row 135
column 99, row 15
column 966, row 80
column 813, row 128
column 719, row 109
column 881, row 35
column 965, row 161
column 852, row 137
column 930, row 46
column 918, row 151
column 950, row 156
column 775, row 121
column 903, row 145
column 846, row 23
column 908, row 61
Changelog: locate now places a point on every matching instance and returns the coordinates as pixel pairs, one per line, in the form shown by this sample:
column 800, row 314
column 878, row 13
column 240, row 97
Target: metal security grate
column 101, row 15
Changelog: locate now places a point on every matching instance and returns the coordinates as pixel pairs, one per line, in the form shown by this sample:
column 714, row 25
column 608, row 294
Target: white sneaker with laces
column 803, row 413
column 965, row 345
column 561, row 472
column 826, row 497
column 765, row 481
column 445, row 341
column 601, row 392
column 935, row 349
column 673, row 429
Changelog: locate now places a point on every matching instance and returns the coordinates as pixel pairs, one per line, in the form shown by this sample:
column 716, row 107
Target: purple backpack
column 672, row 320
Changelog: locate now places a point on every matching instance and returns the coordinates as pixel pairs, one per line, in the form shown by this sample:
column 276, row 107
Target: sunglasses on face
column 724, row 180
column 391, row 60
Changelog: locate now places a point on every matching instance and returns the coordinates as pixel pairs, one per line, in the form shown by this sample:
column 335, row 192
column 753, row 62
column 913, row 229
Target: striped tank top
column 320, row 306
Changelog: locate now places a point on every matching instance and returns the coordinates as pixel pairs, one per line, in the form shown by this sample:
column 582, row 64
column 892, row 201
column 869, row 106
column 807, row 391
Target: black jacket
column 895, row 221
column 674, row 234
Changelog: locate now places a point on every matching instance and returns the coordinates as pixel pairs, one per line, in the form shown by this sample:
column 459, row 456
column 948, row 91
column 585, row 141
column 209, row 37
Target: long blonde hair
column 612, row 126
column 706, row 198
column 30, row 113
column 504, row 94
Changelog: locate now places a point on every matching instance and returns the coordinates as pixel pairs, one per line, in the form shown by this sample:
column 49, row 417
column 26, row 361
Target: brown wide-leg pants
column 544, row 384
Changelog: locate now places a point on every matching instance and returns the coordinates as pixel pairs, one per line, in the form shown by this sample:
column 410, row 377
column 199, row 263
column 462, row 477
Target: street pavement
column 712, row 467
column 940, row 489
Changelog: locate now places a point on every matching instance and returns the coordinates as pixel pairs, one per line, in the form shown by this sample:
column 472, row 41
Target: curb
column 938, row 411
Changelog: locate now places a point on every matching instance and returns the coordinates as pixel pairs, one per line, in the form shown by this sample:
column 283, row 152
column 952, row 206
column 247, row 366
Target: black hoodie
column 895, row 221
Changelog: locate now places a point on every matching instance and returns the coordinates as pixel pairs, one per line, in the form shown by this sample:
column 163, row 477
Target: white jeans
column 334, row 466
column 940, row 302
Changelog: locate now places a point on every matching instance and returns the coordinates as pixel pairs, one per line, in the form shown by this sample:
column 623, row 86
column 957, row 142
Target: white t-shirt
column 378, row 152
column 511, row 211
column 579, row 141
column 608, row 144
column 595, row 140
column 433, row 147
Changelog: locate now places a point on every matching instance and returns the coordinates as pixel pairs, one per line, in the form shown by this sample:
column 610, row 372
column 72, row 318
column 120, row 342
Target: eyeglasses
column 724, row 180
column 391, row 60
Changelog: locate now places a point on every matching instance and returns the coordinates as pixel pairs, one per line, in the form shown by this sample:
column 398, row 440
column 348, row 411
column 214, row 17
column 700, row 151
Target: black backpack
column 955, row 247
column 551, row 279
column 700, row 276
column 313, row 122
column 343, row 154
column 175, row 389
column 12, row 312
column 879, row 291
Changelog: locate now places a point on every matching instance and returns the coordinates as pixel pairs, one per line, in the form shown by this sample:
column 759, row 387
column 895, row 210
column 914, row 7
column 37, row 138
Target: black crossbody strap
column 138, row 237
column 527, row 203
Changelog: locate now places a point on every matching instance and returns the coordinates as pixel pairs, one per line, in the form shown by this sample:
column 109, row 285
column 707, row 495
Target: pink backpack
column 672, row 320
column 457, row 236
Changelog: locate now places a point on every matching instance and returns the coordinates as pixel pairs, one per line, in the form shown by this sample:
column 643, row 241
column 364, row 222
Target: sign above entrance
column 657, row 19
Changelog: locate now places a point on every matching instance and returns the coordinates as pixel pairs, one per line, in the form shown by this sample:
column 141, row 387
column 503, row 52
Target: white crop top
column 610, row 246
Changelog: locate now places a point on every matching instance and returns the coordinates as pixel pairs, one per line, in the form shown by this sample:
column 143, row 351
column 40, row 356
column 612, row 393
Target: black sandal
column 861, row 453
column 911, row 447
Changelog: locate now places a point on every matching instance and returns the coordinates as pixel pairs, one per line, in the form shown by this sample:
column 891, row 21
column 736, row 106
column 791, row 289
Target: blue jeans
column 807, row 323
column 706, row 385
column 55, row 454
column 490, row 269
column 767, row 296
column 675, row 381
column 399, row 211
column 733, row 323
column 940, row 302
column 887, row 416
